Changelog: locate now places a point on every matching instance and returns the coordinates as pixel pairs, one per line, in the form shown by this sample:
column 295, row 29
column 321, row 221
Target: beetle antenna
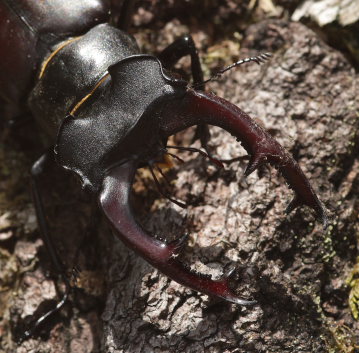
column 259, row 59
column 215, row 161
column 165, row 194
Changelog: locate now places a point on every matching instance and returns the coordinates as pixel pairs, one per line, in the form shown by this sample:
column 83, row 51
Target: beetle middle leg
column 181, row 47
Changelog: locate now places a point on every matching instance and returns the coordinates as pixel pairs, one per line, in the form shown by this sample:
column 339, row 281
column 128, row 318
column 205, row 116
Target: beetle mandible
column 109, row 110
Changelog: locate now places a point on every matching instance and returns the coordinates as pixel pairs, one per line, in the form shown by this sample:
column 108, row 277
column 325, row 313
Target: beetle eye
column 174, row 76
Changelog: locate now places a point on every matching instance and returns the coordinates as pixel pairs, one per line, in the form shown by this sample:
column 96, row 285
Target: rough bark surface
column 307, row 98
column 335, row 20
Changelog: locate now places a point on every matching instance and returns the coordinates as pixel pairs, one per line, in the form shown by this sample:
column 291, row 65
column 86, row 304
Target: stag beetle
column 109, row 110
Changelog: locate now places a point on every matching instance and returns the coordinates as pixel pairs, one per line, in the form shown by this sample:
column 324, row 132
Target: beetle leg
column 206, row 108
column 164, row 194
column 125, row 14
column 178, row 49
column 215, row 161
column 37, row 170
column 114, row 201
column 170, row 56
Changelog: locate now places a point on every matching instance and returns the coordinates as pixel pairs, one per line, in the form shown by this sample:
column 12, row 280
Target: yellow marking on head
column 84, row 99
column 53, row 54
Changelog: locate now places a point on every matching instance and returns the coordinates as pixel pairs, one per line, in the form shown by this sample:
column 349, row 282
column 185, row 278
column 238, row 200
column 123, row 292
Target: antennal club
column 259, row 59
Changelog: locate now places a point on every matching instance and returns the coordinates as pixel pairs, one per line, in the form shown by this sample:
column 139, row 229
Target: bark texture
column 335, row 20
column 306, row 96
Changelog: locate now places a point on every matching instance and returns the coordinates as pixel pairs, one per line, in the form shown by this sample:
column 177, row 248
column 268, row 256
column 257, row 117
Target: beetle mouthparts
column 114, row 201
column 197, row 108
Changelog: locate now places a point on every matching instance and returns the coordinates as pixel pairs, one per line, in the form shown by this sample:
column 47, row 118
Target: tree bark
column 307, row 98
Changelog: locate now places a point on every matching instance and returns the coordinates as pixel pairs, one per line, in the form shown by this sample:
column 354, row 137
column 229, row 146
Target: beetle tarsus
column 29, row 333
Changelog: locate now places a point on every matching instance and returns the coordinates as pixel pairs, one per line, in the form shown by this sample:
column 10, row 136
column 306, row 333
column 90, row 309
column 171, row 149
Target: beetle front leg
column 178, row 49
column 170, row 56
column 37, row 170
column 114, row 201
column 125, row 14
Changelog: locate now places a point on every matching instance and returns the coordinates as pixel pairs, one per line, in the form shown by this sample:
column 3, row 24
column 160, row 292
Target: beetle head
column 120, row 121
